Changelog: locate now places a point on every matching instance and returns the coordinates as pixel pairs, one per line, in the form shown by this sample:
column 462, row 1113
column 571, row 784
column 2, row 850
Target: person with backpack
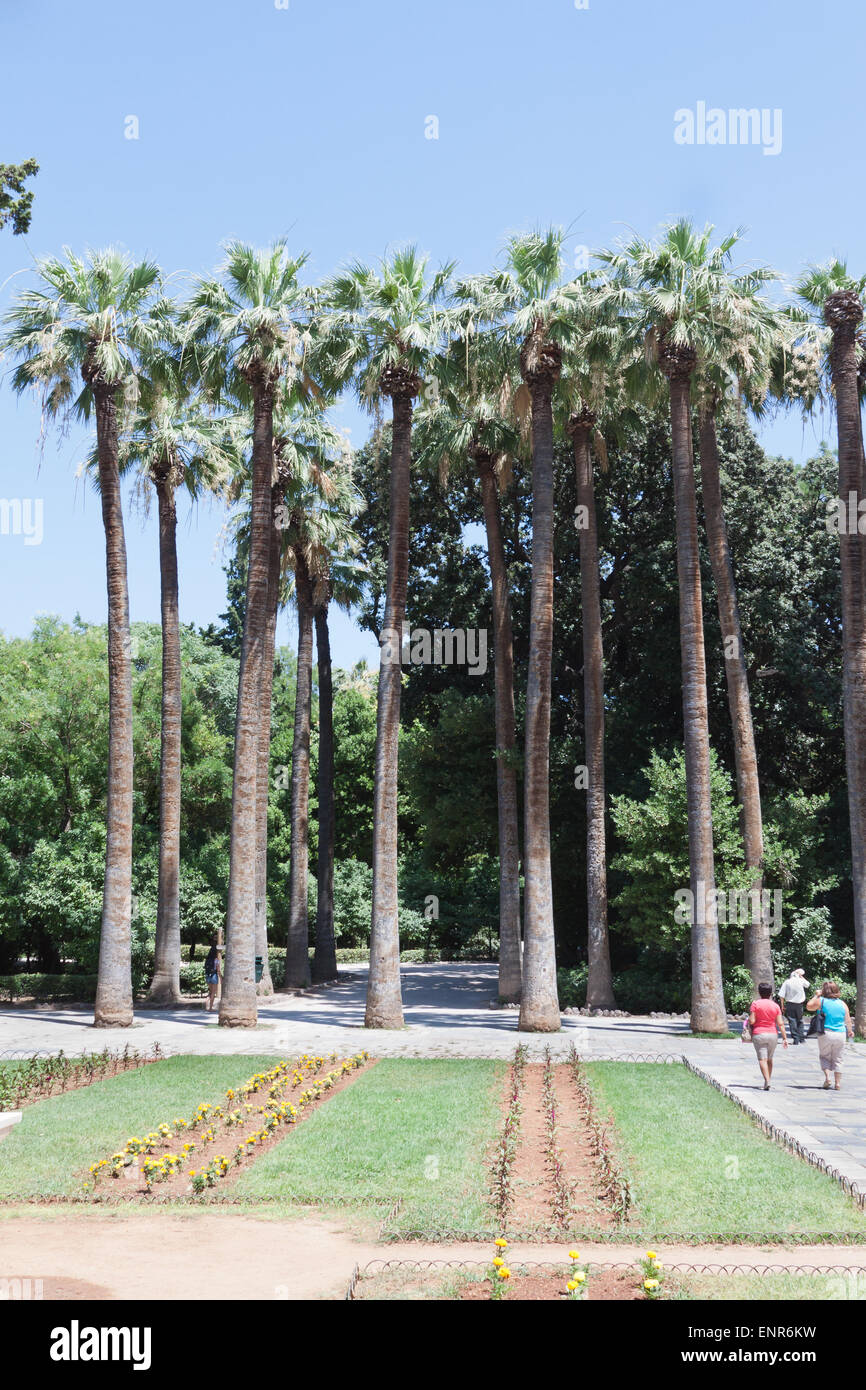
column 832, row 1025
column 766, row 1027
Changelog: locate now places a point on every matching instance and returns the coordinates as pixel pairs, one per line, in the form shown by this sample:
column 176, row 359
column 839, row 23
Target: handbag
column 816, row 1024
column 746, row 1035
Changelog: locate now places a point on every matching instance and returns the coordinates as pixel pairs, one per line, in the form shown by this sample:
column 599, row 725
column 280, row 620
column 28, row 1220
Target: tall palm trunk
column 510, row 950
column 539, row 1005
column 238, row 1002
column 384, row 997
column 165, row 987
column 708, row 1003
column 843, row 314
column 265, row 986
column 758, row 954
column 325, row 956
column 113, row 1007
column 298, row 949
column 599, row 985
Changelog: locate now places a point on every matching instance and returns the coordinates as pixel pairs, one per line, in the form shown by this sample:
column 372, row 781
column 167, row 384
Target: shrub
column 48, row 987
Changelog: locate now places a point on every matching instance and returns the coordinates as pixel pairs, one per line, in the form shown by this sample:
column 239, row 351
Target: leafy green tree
column 16, row 202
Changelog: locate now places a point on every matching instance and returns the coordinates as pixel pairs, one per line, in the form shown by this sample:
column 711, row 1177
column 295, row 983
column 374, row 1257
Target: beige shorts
column 830, row 1049
column 765, row 1045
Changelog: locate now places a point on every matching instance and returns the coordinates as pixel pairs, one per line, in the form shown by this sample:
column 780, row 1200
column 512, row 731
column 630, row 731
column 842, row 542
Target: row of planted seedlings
column 141, row 1162
column 615, row 1186
column 37, row 1078
column 561, row 1188
column 502, row 1191
column 575, row 1280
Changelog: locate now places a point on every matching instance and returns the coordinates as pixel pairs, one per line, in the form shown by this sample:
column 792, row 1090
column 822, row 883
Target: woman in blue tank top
column 837, row 1029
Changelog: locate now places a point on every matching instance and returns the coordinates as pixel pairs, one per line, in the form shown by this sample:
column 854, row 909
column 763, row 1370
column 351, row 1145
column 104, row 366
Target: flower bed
column 37, row 1078
column 570, row 1280
column 146, row 1161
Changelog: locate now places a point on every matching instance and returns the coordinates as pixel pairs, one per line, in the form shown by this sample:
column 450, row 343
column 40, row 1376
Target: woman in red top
column 765, row 1021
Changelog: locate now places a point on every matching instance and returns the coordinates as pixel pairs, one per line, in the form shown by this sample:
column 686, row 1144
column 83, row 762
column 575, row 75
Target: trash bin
column 260, row 968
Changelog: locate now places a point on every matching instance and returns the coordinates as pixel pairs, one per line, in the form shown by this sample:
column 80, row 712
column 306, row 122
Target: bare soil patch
column 604, row 1286
column 534, row 1191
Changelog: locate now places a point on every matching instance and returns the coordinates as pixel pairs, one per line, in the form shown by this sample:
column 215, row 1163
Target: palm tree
column 595, row 400
column 533, row 313
column 838, row 297
column 89, row 319
column 469, row 423
column 383, row 329
column 172, row 444
column 246, row 332
column 673, row 290
column 315, row 526
column 301, row 435
column 336, row 577
column 748, row 332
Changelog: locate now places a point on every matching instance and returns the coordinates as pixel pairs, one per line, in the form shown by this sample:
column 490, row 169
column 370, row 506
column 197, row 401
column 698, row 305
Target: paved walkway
column 829, row 1125
column 447, row 1014
column 446, row 1011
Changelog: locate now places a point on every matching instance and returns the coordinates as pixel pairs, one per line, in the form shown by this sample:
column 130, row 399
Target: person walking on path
column 793, row 997
column 212, row 974
column 837, row 1029
column 765, row 1022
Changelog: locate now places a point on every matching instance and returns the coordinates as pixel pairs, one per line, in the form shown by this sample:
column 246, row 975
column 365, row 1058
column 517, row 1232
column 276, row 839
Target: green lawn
column 698, row 1164
column 418, row 1130
column 49, row 1152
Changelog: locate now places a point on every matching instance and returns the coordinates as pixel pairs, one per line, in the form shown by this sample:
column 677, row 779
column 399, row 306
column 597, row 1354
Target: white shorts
column 830, row 1049
column 765, row 1045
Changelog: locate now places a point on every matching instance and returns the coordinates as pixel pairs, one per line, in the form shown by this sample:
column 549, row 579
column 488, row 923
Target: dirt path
column 207, row 1255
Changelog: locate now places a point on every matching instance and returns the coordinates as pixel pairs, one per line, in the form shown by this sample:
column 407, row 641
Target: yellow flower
column 650, row 1284
column 571, row 1286
column 500, row 1242
column 574, row 1254
column 498, row 1262
column 579, row 1277
column 651, row 1255
column 504, row 1273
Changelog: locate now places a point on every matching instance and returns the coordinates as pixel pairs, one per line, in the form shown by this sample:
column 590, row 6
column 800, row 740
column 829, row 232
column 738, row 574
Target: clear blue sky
column 310, row 121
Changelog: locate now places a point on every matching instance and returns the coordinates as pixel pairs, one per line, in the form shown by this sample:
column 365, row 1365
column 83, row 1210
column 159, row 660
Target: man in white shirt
column 793, row 997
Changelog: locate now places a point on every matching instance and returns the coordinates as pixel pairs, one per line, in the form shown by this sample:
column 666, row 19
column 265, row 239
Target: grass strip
column 415, row 1130
column 697, row 1163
